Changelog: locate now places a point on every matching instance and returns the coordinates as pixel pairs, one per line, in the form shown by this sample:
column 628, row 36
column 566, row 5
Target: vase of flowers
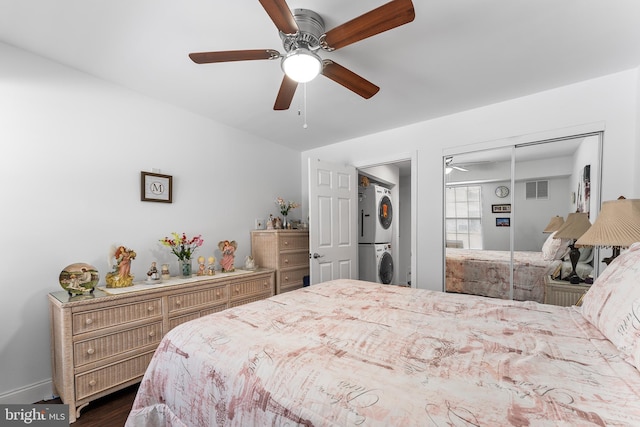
column 285, row 207
column 183, row 248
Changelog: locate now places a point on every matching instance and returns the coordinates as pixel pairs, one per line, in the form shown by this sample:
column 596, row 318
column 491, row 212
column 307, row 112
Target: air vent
column 537, row 189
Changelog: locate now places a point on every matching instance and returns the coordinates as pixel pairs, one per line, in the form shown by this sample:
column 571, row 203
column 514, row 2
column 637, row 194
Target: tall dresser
column 286, row 251
column 104, row 342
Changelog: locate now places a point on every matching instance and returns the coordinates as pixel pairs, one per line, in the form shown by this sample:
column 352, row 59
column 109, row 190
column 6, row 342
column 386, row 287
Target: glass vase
column 285, row 221
column 185, row 267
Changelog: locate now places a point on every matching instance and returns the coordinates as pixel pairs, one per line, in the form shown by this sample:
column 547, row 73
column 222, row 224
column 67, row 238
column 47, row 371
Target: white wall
column 71, row 151
column 609, row 102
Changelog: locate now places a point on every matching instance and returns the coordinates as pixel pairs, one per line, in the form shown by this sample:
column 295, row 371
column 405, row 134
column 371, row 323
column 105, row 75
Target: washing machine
column 376, row 262
column 375, row 215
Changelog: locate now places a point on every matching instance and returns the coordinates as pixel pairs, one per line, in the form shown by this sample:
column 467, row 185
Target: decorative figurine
column 121, row 276
column 277, row 223
column 228, row 249
column 211, row 268
column 165, row 272
column 201, row 267
column 249, row 263
column 270, row 222
column 79, row 278
column 153, row 274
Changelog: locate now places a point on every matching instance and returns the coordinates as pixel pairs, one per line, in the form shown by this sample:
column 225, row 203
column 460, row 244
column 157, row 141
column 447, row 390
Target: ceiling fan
column 302, row 33
column 449, row 166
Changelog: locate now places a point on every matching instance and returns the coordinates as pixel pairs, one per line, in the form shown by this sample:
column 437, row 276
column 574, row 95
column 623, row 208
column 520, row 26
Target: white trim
column 31, row 393
column 526, row 139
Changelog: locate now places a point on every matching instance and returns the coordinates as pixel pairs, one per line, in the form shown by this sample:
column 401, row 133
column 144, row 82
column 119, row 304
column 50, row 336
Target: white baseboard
column 31, row 393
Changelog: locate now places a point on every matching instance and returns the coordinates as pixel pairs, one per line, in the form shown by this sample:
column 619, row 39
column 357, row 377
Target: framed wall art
column 505, row 208
column 155, row 187
column 503, row 222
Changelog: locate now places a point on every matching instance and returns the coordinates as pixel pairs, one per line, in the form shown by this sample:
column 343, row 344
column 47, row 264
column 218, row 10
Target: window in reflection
column 464, row 216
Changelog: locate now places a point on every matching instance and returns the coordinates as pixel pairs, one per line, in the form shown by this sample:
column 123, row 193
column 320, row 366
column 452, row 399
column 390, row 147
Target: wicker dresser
column 287, row 251
column 102, row 343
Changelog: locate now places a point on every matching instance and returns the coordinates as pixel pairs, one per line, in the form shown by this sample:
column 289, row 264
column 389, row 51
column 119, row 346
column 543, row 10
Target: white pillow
column 612, row 304
column 553, row 249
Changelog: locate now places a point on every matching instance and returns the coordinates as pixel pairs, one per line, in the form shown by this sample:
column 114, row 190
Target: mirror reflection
column 496, row 238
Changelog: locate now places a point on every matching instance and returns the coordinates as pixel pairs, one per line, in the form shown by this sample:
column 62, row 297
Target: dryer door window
column 385, row 212
column 385, row 270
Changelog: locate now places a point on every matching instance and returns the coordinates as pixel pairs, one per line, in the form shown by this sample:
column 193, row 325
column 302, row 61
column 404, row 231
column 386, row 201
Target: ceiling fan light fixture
column 301, row 65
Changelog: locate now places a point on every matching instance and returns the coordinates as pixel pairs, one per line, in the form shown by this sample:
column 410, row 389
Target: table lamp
column 554, row 224
column 617, row 226
column 574, row 227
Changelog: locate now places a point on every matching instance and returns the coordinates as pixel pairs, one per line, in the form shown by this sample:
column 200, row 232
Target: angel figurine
column 228, row 249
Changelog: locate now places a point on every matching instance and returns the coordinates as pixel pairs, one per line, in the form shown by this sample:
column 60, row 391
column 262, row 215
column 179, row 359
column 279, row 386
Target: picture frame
column 503, row 208
column 155, row 187
column 503, row 222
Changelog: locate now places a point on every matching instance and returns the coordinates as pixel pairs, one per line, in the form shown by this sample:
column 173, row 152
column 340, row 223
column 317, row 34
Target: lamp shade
column 554, row 224
column 576, row 225
column 617, row 225
column 301, row 65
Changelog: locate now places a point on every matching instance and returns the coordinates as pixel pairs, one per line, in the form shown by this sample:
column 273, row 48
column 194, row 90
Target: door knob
column 317, row 255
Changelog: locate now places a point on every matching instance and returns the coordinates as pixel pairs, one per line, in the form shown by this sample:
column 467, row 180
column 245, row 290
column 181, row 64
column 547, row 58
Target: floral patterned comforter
column 486, row 273
column 348, row 352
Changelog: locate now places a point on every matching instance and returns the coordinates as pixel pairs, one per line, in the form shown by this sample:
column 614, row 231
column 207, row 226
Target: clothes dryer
column 376, row 263
column 375, row 215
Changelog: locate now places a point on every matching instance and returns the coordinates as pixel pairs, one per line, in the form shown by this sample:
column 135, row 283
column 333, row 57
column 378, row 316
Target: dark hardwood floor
column 108, row 411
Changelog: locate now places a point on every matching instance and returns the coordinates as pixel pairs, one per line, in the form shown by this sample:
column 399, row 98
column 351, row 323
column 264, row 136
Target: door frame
column 411, row 156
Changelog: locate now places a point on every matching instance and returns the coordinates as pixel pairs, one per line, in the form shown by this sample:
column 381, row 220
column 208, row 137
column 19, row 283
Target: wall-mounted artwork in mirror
column 503, row 222
column 506, row 208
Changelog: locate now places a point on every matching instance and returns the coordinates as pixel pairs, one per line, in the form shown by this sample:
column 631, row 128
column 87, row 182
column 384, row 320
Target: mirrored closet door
column 498, row 203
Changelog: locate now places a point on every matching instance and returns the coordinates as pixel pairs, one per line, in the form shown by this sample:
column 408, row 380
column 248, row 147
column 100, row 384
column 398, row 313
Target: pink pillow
column 553, row 249
column 612, row 304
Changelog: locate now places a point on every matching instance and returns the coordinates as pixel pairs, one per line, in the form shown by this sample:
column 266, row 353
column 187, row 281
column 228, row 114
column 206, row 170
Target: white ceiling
column 456, row 55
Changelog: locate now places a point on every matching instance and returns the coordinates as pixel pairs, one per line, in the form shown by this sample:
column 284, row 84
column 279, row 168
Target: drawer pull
column 152, row 333
column 92, row 383
column 286, row 243
column 150, row 308
column 178, row 302
column 286, row 278
column 90, row 351
column 237, row 289
column 217, row 293
column 286, row 260
column 89, row 321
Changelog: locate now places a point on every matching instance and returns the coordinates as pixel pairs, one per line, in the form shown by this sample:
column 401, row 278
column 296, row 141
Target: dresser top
column 144, row 288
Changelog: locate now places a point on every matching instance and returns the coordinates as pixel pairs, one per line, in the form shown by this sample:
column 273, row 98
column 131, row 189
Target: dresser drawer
column 293, row 241
column 194, row 299
column 248, row 288
column 178, row 320
column 87, row 321
column 109, row 345
column 294, row 259
column 98, row 380
column 291, row 277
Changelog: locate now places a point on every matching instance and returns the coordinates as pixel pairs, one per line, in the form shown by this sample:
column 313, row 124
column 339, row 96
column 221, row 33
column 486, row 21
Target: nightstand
column 561, row 292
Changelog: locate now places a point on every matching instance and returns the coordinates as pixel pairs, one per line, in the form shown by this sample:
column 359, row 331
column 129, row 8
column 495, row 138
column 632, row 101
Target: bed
column 349, row 352
column 487, row 273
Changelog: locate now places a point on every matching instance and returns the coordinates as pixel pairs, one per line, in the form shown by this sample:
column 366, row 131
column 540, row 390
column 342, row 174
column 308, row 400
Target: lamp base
column 614, row 254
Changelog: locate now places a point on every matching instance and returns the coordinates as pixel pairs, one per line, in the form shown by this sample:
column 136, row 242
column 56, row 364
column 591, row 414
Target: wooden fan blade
column 281, row 15
column 376, row 21
column 349, row 79
column 233, row 55
column 285, row 95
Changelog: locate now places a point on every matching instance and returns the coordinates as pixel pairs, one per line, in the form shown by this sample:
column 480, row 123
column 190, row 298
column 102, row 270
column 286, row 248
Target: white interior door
column 333, row 229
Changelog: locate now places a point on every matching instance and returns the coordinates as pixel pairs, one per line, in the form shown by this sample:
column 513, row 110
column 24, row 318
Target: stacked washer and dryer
column 375, row 217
